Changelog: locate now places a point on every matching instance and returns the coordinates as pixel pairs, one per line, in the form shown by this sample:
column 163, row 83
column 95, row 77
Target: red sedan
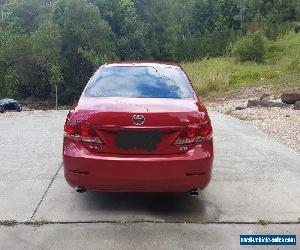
column 138, row 126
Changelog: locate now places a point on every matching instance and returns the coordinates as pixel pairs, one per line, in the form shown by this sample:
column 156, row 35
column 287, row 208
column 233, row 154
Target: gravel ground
column 283, row 124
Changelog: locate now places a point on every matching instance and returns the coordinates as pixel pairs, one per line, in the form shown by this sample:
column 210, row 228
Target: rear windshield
column 140, row 82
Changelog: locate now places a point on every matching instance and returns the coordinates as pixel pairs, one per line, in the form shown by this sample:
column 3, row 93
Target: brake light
column 69, row 130
column 195, row 134
column 82, row 132
column 204, row 130
column 85, row 129
column 191, row 132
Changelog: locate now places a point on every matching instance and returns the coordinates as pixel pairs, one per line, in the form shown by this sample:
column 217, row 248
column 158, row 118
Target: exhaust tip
column 80, row 189
column 194, row 192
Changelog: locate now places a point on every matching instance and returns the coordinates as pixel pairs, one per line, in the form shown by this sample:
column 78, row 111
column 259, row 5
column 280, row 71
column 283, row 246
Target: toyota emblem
column 138, row 120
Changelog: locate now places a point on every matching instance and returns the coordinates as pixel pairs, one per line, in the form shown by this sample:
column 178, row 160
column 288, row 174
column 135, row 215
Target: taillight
column 82, row 132
column 195, row 134
column 204, row 130
column 70, row 130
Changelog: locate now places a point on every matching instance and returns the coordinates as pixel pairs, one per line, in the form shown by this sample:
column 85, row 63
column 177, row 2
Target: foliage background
column 44, row 43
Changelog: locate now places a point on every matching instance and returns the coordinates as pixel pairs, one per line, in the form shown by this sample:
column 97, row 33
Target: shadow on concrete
column 168, row 207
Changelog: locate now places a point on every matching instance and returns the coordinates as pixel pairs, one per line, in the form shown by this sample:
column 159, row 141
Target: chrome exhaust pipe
column 194, row 192
column 80, row 189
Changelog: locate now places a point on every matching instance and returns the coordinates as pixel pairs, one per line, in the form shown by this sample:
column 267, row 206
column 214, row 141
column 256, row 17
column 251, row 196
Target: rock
column 265, row 103
column 272, row 104
column 253, row 103
column 290, row 98
column 265, row 97
column 240, row 108
column 297, row 105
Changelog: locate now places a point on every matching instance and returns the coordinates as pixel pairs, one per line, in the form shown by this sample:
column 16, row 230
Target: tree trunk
column 56, row 97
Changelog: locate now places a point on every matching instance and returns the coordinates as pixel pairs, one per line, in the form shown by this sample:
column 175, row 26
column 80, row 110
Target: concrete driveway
column 255, row 178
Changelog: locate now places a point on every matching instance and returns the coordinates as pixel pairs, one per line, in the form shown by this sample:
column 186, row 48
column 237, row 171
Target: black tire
column 18, row 107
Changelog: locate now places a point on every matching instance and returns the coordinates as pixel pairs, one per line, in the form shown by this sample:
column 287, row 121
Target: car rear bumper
column 148, row 173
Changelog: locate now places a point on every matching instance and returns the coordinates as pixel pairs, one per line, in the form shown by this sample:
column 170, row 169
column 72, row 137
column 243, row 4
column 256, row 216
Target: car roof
column 6, row 100
column 141, row 64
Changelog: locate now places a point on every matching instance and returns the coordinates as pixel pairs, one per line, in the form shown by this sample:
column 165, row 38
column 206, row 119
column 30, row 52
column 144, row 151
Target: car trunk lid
column 159, row 123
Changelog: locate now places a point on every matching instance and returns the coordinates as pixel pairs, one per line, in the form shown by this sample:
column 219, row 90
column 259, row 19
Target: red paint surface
column 105, row 167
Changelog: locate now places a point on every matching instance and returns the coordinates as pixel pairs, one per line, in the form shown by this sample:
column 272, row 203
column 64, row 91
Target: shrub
column 273, row 50
column 250, row 48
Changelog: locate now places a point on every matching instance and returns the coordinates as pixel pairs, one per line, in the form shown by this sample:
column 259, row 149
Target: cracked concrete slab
column 137, row 236
column 254, row 178
column 18, row 199
column 251, row 173
column 31, row 144
column 64, row 204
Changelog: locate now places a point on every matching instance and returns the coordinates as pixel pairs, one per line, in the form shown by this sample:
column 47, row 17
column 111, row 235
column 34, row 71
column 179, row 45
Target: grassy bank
column 281, row 67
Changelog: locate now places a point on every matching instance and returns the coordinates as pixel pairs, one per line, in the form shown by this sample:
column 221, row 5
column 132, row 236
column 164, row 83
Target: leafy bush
column 273, row 50
column 251, row 47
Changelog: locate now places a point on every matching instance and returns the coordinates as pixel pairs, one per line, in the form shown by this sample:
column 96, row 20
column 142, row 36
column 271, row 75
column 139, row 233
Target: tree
column 128, row 28
column 27, row 11
column 162, row 26
column 2, row 5
column 250, row 48
column 46, row 42
column 82, row 29
column 55, row 78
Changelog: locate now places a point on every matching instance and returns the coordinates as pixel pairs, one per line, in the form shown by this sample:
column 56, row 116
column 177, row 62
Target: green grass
column 217, row 75
column 263, row 222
